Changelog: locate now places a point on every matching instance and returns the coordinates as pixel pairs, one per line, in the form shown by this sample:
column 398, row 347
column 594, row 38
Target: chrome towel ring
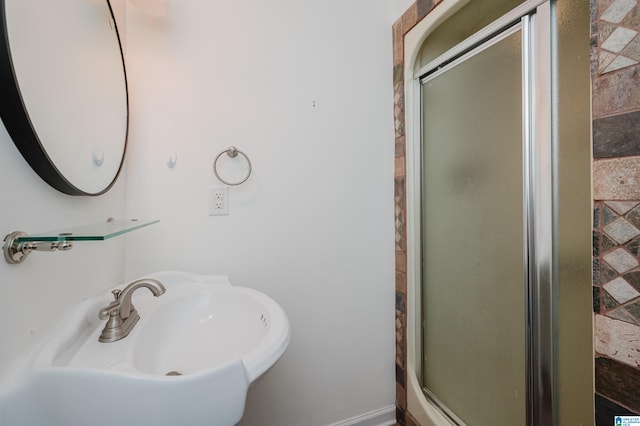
column 232, row 152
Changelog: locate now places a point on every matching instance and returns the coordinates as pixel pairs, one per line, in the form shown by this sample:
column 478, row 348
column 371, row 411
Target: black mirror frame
column 18, row 124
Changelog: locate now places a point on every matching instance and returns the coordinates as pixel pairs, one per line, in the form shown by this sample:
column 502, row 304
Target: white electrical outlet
column 218, row 201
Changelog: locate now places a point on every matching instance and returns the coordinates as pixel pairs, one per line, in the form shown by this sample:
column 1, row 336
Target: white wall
column 399, row 7
column 313, row 227
column 36, row 294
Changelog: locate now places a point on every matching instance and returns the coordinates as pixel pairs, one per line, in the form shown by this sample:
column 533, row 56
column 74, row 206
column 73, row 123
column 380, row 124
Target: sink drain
column 173, row 373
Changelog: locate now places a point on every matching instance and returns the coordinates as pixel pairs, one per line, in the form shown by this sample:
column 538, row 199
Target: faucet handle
column 112, row 308
column 109, row 311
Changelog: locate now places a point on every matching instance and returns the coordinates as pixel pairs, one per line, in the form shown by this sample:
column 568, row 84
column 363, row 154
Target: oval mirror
column 63, row 90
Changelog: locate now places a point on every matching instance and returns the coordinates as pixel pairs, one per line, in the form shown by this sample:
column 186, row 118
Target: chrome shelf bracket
column 16, row 251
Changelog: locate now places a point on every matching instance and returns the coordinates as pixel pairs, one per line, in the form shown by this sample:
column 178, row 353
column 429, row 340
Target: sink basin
column 189, row 360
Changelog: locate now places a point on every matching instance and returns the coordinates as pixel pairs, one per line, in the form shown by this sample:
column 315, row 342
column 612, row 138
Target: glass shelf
column 96, row 232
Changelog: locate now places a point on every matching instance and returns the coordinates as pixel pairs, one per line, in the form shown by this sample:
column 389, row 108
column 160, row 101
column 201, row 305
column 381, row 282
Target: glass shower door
column 473, row 262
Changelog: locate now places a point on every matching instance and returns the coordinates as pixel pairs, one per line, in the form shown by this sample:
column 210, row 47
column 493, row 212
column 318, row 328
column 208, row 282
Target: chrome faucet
column 121, row 314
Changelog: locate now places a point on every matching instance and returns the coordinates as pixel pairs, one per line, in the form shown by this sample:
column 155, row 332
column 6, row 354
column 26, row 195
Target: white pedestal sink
column 212, row 338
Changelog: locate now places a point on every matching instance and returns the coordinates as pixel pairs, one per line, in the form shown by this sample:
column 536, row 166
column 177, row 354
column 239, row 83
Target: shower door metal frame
column 534, row 20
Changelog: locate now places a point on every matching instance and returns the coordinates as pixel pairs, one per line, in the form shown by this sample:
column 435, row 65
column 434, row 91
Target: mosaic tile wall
column 615, row 53
column 616, row 245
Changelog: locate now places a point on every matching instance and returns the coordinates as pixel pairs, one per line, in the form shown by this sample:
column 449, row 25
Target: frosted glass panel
column 574, row 305
column 472, row 17
column 472, row 222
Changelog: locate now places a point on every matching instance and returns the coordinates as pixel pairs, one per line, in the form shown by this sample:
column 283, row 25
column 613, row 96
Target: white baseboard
column 382, row 417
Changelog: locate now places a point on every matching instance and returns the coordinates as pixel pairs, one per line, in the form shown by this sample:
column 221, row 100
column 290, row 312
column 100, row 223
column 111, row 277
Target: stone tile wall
column 615, row 52
column 408, row 20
